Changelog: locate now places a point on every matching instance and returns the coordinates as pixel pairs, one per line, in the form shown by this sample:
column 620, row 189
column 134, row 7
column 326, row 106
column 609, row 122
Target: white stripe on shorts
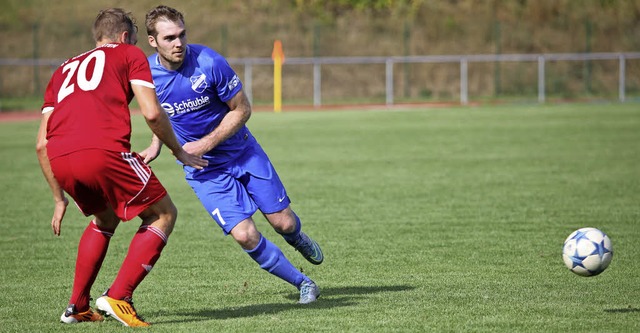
column 143, row 173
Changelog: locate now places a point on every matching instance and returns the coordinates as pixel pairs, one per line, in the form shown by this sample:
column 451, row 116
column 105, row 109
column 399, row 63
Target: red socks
column 91, row 251
column 143, row 253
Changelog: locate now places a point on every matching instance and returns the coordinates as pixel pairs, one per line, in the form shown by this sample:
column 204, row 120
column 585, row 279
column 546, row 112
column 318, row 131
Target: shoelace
column 305, row 289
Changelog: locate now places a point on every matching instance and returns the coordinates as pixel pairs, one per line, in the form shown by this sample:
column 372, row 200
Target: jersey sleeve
column 227, row 83
column 139, row 71
column 49, row 97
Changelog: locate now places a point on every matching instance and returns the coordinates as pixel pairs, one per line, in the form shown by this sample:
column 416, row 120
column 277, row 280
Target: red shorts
column 97, row 179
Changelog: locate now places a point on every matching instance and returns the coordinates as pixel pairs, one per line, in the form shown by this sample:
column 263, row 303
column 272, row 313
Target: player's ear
column 122, row 38
column 152, row 41
column 128, row 38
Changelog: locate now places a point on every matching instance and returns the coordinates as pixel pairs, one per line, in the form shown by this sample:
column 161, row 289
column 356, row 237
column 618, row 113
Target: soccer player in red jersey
column 84, row 149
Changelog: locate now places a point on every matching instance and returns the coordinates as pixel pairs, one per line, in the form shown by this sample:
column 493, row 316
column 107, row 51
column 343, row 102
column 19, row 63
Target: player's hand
column 197, row 148
column 59, row 210
column 150, row 154
column 191, row 160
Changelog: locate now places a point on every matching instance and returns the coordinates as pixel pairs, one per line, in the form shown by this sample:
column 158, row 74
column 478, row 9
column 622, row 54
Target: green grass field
column 431, row 220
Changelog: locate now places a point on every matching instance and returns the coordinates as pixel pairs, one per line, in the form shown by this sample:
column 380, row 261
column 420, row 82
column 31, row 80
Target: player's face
column 171, row 43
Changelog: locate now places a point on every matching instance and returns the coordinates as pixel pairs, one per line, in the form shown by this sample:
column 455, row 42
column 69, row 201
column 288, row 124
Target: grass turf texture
column 440, row 220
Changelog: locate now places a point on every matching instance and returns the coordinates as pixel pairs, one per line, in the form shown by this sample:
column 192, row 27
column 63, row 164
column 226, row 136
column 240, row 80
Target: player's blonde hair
column 112, row 22
column 161, row 13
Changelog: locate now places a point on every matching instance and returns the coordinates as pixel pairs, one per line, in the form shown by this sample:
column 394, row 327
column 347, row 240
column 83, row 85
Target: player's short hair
column 112, row 22
column 161, row 13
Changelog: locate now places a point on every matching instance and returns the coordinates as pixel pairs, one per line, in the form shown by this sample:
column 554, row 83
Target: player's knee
column 107, row 220
column 169, row 217
column 247, row 237
column 287, row 227
column 108, row 224
column 172, row 212
column 166, row 209
column 283, row 222
column 247, row 240
column 162, row 214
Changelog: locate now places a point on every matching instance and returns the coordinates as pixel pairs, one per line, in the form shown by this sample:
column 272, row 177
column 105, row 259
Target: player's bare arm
column 233, row 121
column 158, row 122
column 59, row 198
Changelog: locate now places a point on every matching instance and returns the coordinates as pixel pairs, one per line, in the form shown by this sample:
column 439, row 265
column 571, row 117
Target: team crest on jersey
column 198, row 83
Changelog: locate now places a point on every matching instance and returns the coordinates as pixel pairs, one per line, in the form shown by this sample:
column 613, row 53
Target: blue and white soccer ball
column 587, row 251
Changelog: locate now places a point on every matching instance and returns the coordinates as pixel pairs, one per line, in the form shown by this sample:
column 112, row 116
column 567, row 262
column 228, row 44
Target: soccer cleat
column 122, row 310
column 309, row 292
column 72, row 316
column 309, row 249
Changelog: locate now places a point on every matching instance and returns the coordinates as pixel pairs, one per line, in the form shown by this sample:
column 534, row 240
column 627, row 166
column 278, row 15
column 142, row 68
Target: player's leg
column 288, row 224
column 267, row 190
column 228, row 202
column 74, row 172
column 144, row 251
column 271, row 259
column 262, row 182
column 145, row 247
column 265, row 187
column 265, row 253
column 92, row 249
column 133, row 190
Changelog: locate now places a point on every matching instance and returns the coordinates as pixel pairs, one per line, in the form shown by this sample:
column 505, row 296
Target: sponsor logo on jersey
column 186, row 106
column 233, row 82
column 198, row 83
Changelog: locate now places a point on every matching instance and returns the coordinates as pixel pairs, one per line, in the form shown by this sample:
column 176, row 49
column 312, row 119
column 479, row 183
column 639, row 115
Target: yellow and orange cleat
column 122, row 310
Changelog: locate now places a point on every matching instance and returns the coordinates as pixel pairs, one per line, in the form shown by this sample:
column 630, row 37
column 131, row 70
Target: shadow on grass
column 622, row 310
column 357, row 290
column 330, row 298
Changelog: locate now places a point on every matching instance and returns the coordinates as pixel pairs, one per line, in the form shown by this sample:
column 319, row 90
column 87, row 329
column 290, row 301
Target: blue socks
column 271, row 259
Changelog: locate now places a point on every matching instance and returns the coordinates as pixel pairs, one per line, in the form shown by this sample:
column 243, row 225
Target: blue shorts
column 234, row 191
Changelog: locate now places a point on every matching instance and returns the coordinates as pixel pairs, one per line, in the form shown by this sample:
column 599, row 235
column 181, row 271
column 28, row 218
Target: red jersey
column 90, row 96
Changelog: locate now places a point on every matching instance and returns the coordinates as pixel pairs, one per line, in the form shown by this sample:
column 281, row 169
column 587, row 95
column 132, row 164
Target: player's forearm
column 230, row 125
column 56, row 190
column 162, row 130
column 233, row 121
column 45, row 166
column 43, row 159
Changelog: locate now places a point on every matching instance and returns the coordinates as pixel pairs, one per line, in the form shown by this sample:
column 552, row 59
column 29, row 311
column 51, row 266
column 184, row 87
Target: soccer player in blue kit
column 208, row 109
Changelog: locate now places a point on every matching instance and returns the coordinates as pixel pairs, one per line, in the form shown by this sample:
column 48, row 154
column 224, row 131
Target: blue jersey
column 195, row 96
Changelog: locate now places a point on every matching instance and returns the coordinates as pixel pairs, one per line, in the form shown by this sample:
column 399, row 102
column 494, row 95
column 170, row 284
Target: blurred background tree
column 321, row 28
